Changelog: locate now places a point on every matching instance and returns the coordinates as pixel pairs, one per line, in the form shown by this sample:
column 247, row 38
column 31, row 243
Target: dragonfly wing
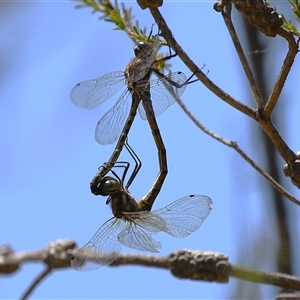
column 185, row 215
column 111, row 124
column 141, row 111
column 137, row 238
column 162, row 92
column 102, row 249
column 149, row 221
column 90, row 93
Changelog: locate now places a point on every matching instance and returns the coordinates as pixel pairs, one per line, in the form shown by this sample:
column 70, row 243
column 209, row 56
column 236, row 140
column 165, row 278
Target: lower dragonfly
column 133, row 227
column 149, row 97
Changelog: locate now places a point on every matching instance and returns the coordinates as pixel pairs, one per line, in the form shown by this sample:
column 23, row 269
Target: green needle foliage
column 287, row 24
column 121, row 17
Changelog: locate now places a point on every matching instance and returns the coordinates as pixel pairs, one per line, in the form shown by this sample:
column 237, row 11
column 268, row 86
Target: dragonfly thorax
column 121, row 202
column 140, row 67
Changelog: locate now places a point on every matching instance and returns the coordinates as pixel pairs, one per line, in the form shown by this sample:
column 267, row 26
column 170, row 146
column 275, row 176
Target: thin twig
column 235, row 146
column 232, row 144
column 168, row 36
column 285, row 70
column 35, row 282
column 277, row 279
column 226, row 13
column 287, row 154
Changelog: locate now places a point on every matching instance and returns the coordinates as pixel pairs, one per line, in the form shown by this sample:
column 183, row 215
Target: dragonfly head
column 140, row 47
column 107, row 186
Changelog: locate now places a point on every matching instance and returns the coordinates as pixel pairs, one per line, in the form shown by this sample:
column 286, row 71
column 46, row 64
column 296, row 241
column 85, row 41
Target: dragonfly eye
column 108, row 185
column 140, row 47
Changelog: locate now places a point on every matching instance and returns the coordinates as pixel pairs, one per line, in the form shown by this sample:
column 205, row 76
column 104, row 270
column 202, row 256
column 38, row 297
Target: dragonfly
column 132, row 226
column 149, row 97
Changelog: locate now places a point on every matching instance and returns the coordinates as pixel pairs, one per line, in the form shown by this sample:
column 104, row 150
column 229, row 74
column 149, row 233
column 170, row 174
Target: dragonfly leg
column 138, row 163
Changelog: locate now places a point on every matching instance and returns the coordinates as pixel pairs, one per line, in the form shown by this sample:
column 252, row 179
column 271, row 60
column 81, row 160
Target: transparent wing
column 89, row 94
column 111, row 124
column 178, row 219
column 185, row 215
column 149, row 221
column 137, row 238
column 162, row 90
column 102, row 249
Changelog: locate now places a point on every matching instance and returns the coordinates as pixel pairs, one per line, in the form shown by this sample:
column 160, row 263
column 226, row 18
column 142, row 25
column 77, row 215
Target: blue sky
column 49, row 154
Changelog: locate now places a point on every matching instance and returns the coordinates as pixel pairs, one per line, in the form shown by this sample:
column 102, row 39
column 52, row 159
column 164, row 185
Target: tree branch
column 293, row 165
column 187, row 264
column 235, row 146
column 168, row 36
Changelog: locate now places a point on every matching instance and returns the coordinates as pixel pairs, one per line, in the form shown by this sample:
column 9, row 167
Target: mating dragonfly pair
column 133, row 223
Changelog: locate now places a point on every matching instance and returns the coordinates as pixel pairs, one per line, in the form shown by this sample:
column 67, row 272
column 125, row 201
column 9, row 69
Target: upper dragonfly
column 132, row 226
column 91, row 93
column 149, row 97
